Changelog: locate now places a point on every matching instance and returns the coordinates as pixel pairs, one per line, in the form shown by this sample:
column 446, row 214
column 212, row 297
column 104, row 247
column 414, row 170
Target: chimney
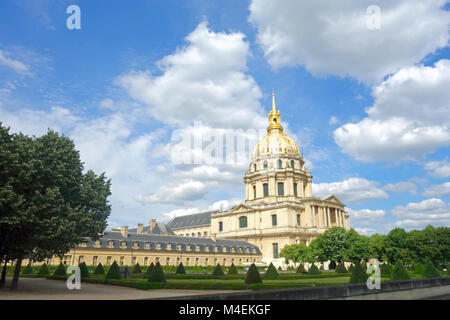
column 140, row 228
column 152, row 225
column 124, row 231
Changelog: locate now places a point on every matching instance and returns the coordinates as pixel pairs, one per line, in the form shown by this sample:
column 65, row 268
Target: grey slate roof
column 160, row 228
column 169, row 242
column 191, row 220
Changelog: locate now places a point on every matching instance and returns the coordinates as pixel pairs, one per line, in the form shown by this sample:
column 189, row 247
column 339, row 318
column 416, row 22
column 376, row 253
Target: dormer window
column 135, row 245
column 97, row 243
column 123, row 244
column 110, row 244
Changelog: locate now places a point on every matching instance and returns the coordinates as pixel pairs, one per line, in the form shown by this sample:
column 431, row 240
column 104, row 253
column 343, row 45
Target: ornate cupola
column 277, row 171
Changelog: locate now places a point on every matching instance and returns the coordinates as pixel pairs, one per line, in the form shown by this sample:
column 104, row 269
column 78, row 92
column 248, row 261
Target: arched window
column 265, row 164
column 254, row 167
column 275, row 120
column 243, row 222
column 280, row 164
column 292, row 164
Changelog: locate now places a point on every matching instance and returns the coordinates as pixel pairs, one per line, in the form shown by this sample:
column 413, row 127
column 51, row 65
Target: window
column 254, row 192
column 167, row 261
column 275, row 250
column 298, row 219
column 265, row 164
column 121, row 260
column 97, row 244
column 80, row 259
column 280, row 164
column 94, row 260
column 220, row 226
column 266, row 189
column 295, row 189
column 123, row 244
column 133, row 261
column 199, row 234
column 254, row 167
column 274, row 220
column 108, row 260
column 135, row 245
column 204, row 234
column 280, row 188
column 145, row 261
column 110, row 244
column 275, row 120
column 243, row 222
column 292, row 164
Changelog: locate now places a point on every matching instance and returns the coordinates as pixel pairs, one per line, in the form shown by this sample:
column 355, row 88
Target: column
column 328, row 217
column 314, row 216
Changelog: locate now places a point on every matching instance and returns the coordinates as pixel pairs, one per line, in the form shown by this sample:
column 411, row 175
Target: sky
column 363, row 90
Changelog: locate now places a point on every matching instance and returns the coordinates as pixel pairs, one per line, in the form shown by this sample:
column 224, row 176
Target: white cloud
column 352, row 190
column 203, row 81
column 183, row 192
column 365, row 231
column 332, row 37
column 365, row 217
column 419, row 214
column 440, row 190
column 401, row 187
column 15, row 65
column 224, row 204
column 180, row 212
column 410, row 117
column 333, row 120
column 438, row 169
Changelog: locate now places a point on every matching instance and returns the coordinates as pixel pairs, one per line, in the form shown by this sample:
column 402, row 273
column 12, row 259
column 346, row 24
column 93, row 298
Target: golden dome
column 275, row 142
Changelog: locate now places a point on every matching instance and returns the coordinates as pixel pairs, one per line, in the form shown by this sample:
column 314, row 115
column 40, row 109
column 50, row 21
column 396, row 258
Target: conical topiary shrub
column 430, row 270
column 340, row 268
column 157, row 274
column 99, row 269
column 180, row 269
column 419, row 268
column 28, row 269
column 253, row 275
column 137, row 268
column 150, row 268
column 300, row 269
column 43, row 271
column 359, row 275
column 232, row 269
column 60, row 270
column 399, row 272
column 83, row 270
column 313, row 269
column 113, row 272
column 271, row 273
column 218, row 272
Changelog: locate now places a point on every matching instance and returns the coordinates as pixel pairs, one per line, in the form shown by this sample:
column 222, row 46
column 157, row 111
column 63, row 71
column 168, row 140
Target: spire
column 274, row 117
column 273, row 101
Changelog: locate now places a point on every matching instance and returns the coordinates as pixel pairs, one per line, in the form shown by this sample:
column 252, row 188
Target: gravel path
column 45, row 289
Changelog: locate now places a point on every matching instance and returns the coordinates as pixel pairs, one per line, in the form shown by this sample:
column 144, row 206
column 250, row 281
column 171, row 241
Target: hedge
column 271, row 273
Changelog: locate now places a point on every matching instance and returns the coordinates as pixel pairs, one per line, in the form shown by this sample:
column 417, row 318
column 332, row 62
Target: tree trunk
column 3, row 278
column 15, row 281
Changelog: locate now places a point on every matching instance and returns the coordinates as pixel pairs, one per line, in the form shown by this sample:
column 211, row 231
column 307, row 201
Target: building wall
column 94, row 256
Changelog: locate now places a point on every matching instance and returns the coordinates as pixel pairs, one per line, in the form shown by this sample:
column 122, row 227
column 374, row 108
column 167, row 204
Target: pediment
column 334, row 199
column 242, row 207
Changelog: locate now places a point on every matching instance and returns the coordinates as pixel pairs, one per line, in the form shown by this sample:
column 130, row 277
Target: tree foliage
column 253, row 275
column 217, row 272
column 83, row 270
column 99, row 269
column 48, row 204
column 399, row 272
column 60, row 270
column 430, row 270
column 180, row 269
column 232, row 269
column 340, row 268
column 137, row 269
column 271, row 273
column 157, row 274
column 359, row 274
column 313, row 269
column 43, row 271
column 113, row 272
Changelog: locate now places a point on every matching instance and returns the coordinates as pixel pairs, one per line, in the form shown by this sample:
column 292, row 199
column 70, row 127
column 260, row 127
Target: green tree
column 137, row 269
column 359, row 274
column 60, row 270
column 83, row 270
column 295, row 252
column 43, row 271
column 217, row 272
column 300, row 268
column 331, row 245
column 180, row 269
column 313, row 269
column 397, row 242
column 51, row 204
column 157, row 274
column 357, row 247
column 377, row 247
column 399, row 272
column 99, row 269
column 340, row 268
column 150, row 268
column 113, row 272
column 232, row 269
column 271, row 273
column 28, row 269
column 253, row 275
column 430, row 270
column 419, row 268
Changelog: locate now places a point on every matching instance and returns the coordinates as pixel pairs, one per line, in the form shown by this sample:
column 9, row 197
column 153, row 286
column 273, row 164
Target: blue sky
column 369, row 108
